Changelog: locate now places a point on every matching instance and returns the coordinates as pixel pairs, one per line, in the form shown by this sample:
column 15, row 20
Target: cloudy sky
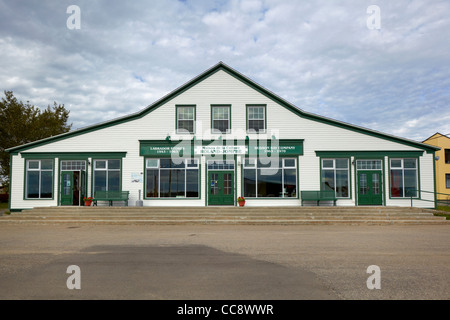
column 386, row 69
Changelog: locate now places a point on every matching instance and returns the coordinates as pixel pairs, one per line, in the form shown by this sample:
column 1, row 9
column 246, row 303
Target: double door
column 73, row 186
column 221, row 188
column 370, row 187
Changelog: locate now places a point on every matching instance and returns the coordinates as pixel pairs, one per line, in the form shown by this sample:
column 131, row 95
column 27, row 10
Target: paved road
column 224, row 262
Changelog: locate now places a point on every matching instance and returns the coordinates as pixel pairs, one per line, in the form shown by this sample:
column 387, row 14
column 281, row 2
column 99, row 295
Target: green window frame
column 256, row 118
column 220, row 118
column 185, row 119
column 107, row 175
column 168, row 179
column 335, row 176
column 404, row 177
column 39, row 182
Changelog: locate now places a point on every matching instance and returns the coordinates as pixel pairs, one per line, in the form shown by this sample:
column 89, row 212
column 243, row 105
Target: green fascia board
column 72, row 155
column 209, row 72
column 368, row 154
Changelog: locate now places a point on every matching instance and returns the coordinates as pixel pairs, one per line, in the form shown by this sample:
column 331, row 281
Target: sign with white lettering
column 221, row 150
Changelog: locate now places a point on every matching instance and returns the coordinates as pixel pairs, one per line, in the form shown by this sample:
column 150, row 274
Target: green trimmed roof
column 222, row 66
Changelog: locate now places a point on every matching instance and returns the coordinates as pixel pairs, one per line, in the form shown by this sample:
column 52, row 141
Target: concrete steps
column 225, row 215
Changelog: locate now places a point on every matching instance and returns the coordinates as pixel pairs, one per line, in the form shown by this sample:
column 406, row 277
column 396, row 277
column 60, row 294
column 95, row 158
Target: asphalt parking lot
column 224, row 262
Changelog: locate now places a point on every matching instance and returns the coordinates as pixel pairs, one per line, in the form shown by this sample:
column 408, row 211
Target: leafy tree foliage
column 22, row 123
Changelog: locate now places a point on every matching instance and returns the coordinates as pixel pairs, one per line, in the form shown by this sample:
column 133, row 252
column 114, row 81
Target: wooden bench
column 318, row 196
column 111, row 196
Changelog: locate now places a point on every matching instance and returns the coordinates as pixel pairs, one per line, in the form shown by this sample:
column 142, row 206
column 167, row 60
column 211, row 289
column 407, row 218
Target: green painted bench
column 318, row 196
column 111, row 196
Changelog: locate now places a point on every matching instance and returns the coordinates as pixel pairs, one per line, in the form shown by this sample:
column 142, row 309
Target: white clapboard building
column 218, row 137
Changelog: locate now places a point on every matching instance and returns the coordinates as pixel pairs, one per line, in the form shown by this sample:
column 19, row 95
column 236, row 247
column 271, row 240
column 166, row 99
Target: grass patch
column 3, row 205
column 444, row 213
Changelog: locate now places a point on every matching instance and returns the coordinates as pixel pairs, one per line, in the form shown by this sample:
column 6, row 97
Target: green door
column 370, row 188
column 220, row 188
column 66, row 189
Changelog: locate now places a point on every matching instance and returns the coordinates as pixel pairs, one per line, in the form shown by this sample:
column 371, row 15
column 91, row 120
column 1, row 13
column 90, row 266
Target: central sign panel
column 220, row 150
column 231, row 147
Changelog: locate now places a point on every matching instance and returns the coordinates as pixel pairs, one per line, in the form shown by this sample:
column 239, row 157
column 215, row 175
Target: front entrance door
column 369, row 188
column 70, row 188
column 221, row 188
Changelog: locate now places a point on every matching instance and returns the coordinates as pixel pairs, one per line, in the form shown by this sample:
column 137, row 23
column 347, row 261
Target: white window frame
column 334, row 168
column 253, row 165
column 264, row 119
column 40, row 170
column 402, row 169
column 187, row 162
column 228, row 108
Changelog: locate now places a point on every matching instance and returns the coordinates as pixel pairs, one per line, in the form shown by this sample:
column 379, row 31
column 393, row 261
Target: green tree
column 22, row 123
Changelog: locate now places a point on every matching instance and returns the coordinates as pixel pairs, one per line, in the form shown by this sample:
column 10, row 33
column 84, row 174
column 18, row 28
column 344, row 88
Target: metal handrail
column 433, row 192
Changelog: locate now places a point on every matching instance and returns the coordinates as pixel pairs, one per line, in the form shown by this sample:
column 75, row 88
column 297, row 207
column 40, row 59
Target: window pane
column 363, row 184
column 227, row 185
column 342, row 183
column 33, row 184
column 46, row 164
column 327, row 164
column 396, row 163
column 410, row 183
column 172, row 182
column 409, row 163
column 113, row 164
column 270, row 162
column 328, row 180
column 249, row 163
column 269, row 183
column 113, row 180
column 447, row 180
column 33, row 164
column 290, row 187
column 186, row 125
column 99, row 181
column 341, row 163
column 152, row 183
column 256, row 125
column 289, row 163
column 152, row 163
column 220, row 125
column 375, row 184
column 192, row 184
column 192, row 163
column 169, row 163
column 100, row 164
column 46, row 184
column 250, row 183
column 396, row 183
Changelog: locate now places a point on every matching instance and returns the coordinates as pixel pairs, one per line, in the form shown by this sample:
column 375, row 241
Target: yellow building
column 442, row 165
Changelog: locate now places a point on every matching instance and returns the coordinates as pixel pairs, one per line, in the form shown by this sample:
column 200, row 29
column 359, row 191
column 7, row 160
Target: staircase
column 224, row 215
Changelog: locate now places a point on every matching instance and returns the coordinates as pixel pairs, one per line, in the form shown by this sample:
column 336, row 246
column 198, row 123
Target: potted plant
column 87, row 201
column 241, row 201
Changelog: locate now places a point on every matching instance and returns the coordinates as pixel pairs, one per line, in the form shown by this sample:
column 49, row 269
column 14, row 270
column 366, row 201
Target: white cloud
column 318, row 55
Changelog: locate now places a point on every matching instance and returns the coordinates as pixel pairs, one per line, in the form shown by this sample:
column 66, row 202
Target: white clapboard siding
column 221, row 88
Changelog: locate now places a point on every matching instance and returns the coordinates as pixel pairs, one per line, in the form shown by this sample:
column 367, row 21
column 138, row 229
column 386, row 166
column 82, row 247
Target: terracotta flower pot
column 87, row 203
column 241, row 203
